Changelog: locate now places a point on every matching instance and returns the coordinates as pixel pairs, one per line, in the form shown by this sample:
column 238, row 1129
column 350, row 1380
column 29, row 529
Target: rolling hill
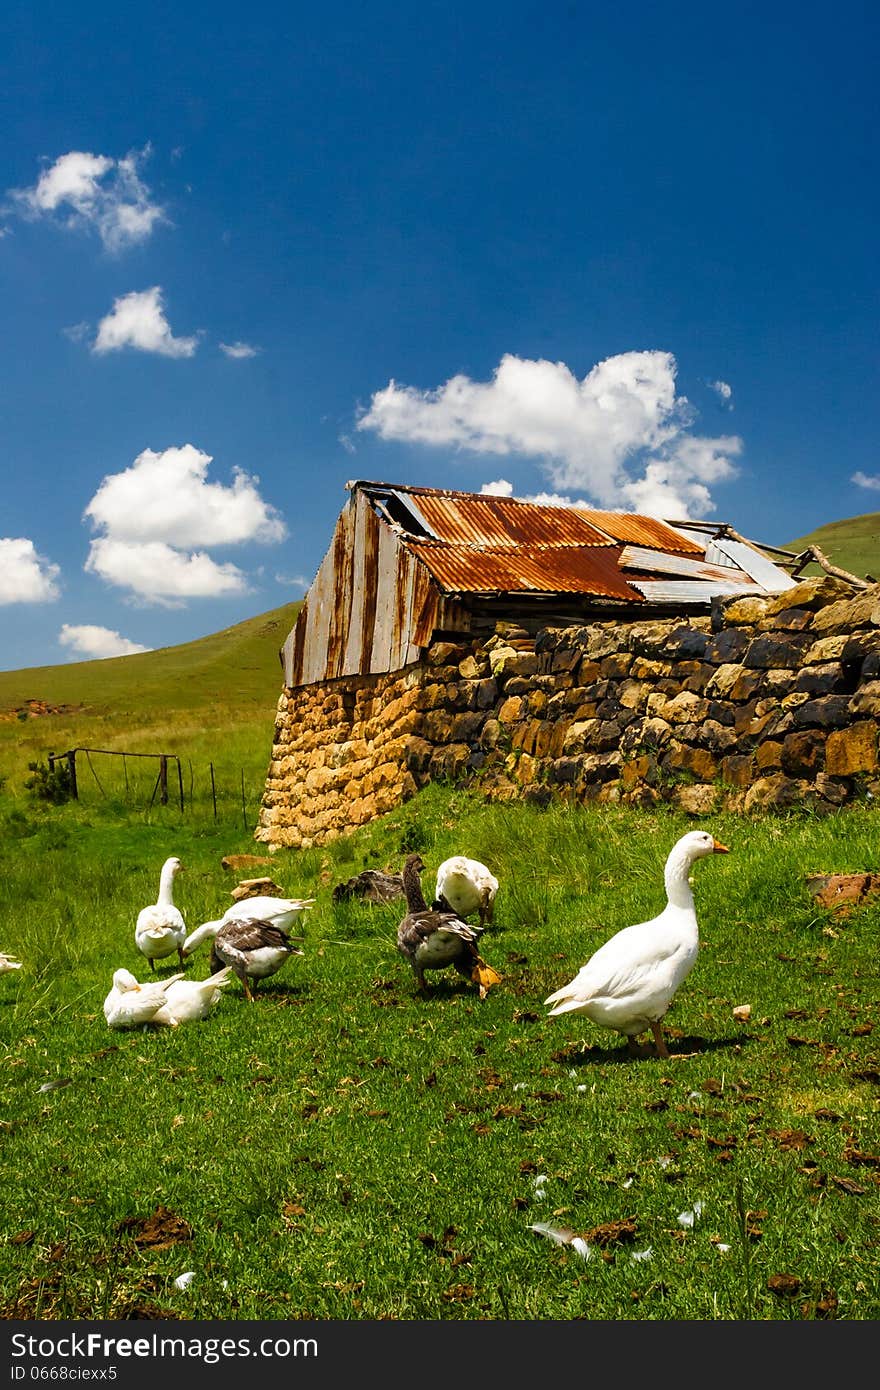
column 238, row 665
column 853, row 544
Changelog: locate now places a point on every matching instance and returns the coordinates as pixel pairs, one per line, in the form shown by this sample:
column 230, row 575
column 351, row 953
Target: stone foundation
column 770, row 703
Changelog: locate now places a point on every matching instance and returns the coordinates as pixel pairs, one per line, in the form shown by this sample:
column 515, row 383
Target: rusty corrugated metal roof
column 500, row 521
column 538, row 569
column 646, row 531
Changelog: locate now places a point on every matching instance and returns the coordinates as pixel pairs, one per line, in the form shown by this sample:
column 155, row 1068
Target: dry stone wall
column 764, row 705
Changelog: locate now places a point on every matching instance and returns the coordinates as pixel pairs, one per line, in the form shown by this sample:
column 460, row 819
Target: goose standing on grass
column 280, row 912
column 464, row 886
column 430, row 939
column 190, row 1000
column 630, row 982
column 160, row 929
column 8, row 963
column 130, row 1004
column 252, row 948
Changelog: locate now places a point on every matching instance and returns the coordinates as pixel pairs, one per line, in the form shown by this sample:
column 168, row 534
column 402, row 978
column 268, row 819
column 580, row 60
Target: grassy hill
column 853, row 544
column 239, row 665
column 211, row 703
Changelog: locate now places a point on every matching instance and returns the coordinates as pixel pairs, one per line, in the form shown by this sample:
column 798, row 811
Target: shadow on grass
column 679, row 1048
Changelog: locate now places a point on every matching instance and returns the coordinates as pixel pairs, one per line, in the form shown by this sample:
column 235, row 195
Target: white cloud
column 499, row 488
column 158, row 518
column 87, row 641
column 77, row 332
column 157, row 573
column 619, row 433
column 870, row 480
column 239, row 350
column 293, row 581
column 96, row 192
column 25, row 576
column 138, row 320
column 723, row 390
column 167, row 497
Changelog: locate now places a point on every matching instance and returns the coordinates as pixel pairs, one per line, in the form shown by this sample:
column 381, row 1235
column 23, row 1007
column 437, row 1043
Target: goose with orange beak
column 629, row 983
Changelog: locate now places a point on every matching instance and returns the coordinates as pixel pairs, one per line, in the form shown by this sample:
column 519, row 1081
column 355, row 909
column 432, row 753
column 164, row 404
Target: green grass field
column 853, row 544
column 343, row 1149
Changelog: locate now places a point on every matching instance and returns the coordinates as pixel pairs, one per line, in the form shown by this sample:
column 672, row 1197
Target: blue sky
column 626, row 256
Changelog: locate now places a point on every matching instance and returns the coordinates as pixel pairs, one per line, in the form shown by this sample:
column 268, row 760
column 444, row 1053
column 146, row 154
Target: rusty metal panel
column 386, row 619
column 355, row 511
column 425, row 603
column 367, row 575
column 642, row 530
column 770, row 577
column 649, row 562
column 687, row 591
column 339, row 616
column 466, row 518
column 528, row 569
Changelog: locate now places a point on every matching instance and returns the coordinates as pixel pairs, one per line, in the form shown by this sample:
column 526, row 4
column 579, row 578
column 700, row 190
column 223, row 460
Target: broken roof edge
column 714, row 530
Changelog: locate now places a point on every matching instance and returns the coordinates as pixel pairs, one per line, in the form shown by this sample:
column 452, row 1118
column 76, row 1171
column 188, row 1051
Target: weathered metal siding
column 635, row 557
column 370, row 609
column 771, row 578
column 592, row 570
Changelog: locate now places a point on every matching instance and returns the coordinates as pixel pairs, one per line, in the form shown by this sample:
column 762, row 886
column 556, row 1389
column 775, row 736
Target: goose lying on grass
column 630, row 982
column 190, row 1000
column 252, row 948
column 464, row 886
column 280, row 912
column 160, row 929
column 431, row 940
column 130, row 1004
column 8, row 963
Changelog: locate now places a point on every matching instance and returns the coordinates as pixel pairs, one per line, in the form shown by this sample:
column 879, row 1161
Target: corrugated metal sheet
column 368, row 606
column 771, row 578
column 671, row 592
column 630, row 529
column 635, row 557
column 527, row 569
column 465, row 518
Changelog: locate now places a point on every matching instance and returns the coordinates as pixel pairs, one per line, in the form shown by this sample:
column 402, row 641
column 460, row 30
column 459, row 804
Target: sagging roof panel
column 646, row 531
column 527, row 569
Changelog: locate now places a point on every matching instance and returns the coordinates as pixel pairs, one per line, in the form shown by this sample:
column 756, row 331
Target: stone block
column 803, row 754
column 852, row 750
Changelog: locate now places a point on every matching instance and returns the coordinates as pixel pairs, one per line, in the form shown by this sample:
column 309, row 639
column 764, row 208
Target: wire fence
column 146, row 780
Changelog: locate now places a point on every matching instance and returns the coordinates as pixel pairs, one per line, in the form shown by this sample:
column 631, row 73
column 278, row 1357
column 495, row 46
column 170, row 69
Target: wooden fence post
column 71, row 768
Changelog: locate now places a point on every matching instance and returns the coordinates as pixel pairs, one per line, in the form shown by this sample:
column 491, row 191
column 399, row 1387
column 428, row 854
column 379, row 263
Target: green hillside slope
column 238, row 665
column 853, row 544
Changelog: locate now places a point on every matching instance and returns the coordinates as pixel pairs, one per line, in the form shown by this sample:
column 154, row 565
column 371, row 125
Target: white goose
column 630, row 982
column 280, row 912
column 8, row 963
column 130, row 1004
column 465, row 885
column 190, row 1000
column 160, row 929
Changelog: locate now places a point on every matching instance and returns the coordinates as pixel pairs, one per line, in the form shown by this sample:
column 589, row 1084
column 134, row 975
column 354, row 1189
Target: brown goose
column 253, row 948
column 431, row 940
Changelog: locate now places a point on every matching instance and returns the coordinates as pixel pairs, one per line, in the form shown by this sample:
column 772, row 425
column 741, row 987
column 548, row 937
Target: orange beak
column 718, row 848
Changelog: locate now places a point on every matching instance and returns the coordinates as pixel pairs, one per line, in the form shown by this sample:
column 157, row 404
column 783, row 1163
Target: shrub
column 49, row 783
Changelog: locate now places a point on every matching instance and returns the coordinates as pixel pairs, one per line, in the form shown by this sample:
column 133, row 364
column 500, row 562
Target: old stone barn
column 542, row 650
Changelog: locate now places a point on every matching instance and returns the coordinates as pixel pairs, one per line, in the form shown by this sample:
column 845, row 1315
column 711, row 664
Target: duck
column 431, row 939
column 160, row 929
column 130, row 1003
column 190, row 1000
column 282, row 912
column 464, row 886
column 8, row 963
column 629, row 983
column 253, row 948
